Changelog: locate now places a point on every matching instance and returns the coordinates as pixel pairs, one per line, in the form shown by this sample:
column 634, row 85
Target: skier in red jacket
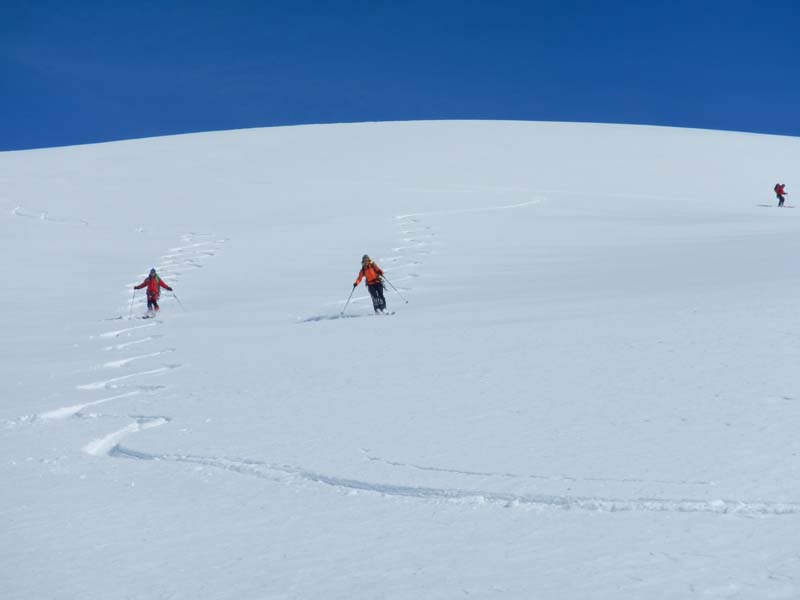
column 154, row 283
column 780, row 192
column 373, row 273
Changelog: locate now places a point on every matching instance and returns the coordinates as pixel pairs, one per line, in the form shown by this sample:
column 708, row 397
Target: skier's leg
column 376, row 297
column 780, row 200
column 381, row 296
column 155, row 305
column 373, row 293
column 149, row 304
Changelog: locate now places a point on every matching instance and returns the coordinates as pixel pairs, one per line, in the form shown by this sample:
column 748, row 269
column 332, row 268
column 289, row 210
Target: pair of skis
column 382, row 279
column 130, row 315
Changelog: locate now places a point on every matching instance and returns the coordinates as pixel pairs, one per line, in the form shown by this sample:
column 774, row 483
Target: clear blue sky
column 87, row 71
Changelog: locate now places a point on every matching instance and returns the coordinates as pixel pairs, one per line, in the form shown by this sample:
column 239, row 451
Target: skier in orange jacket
column 373, row 274
column 154, row 283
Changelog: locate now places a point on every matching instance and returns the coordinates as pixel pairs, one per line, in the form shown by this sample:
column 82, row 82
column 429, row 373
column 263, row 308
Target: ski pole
column 348, row 301
column 395, row 289
column 179, row 302
column 132, row 297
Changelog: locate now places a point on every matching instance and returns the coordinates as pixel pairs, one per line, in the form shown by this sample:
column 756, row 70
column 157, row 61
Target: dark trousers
column 152, row 303
column 780, row 200
column 376, row 292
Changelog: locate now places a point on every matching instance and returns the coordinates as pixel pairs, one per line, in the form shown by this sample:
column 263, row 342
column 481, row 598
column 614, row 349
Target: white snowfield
column 592, row 392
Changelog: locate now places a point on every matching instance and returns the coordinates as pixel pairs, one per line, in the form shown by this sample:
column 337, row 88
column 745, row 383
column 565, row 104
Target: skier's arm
column 164, row 285
column 360, row 277
column 141, row 285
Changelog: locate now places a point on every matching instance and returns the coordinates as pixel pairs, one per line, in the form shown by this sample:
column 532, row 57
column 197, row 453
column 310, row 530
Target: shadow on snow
column 333, row 317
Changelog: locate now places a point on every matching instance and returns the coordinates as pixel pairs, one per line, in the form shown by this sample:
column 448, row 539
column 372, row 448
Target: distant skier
column 780, row 192
column 373, row 273
column 153, row 283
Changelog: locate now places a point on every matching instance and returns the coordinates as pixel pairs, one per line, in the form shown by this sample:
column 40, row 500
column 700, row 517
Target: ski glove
column 355, row 284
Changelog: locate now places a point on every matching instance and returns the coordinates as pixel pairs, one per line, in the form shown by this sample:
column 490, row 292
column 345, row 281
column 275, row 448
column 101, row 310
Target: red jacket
column 779, row 189
column 372, row 272
column 154, row 285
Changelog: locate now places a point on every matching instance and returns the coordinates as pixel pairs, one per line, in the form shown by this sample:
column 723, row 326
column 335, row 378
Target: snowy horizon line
column 399, row 121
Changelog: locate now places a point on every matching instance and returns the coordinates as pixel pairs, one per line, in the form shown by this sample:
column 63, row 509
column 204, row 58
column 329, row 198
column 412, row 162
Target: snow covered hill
column 592, row 391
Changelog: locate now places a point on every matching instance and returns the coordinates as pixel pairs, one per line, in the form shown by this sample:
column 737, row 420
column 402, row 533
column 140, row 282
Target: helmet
column 365, row 257
column 152, row 272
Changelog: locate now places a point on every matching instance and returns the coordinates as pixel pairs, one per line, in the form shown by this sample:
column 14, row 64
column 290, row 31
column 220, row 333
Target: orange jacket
column 153, row 285
column 372, row 272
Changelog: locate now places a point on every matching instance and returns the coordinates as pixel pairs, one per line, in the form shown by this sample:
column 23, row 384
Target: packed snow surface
column 592, row 392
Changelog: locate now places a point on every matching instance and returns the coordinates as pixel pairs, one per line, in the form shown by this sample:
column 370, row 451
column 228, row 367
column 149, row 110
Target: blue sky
column 88, row 71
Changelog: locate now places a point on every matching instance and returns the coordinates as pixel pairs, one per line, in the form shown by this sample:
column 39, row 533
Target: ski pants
column 152, row 302
column 376, row 292
column 780, row 200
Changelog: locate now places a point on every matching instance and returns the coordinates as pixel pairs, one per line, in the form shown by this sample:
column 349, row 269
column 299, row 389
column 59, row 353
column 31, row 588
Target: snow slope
column 591, row 393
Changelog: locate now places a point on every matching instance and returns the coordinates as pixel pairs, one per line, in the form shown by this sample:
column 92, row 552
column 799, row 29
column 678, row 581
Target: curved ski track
column 505, row 475
column 288, row 474
column 19, row 211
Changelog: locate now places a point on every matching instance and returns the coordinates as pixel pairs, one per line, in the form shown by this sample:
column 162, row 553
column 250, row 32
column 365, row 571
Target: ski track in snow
column 418, row 239
column 44, row 216
column 291, row 475
column 195, row 248
column 143, row 340
column 71, row 411
column 102, row 446
column 114, row 364
column 119, row 332
column 458, row 211
column 113, row 382
column 559, row 477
